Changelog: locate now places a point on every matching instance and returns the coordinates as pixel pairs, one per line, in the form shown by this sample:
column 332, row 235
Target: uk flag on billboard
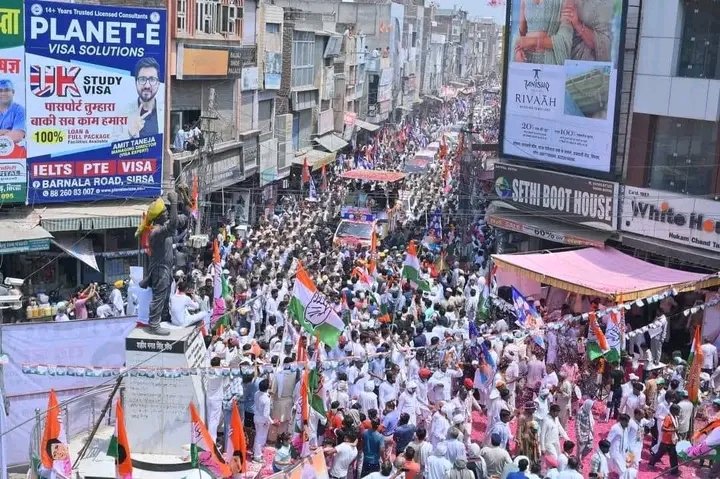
column 54, row 80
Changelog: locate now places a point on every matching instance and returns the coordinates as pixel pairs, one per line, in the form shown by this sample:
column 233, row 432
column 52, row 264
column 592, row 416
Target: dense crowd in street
column 430, row 378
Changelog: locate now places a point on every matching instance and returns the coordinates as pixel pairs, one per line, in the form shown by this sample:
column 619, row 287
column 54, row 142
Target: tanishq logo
column 536, row 83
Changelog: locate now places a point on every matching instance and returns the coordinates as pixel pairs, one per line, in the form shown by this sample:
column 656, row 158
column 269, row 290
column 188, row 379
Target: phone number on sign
column 68, row 193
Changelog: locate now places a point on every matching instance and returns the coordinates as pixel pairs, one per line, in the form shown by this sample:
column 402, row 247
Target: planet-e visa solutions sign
column 671, row 217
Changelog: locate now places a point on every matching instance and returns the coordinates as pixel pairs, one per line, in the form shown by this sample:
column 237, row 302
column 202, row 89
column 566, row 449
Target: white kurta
column 620, row 443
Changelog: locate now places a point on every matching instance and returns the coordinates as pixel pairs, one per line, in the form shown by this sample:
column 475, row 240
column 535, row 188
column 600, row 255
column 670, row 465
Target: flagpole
column 96, row 426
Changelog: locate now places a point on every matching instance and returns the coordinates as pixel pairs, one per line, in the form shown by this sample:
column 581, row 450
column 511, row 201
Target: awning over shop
column 602, row 272
column 315, row 158
column 20, row 235
column 99, row 216
column 538, row 227
column 383, row 176
column 366, row 125
column 79, row 249
column 331, row 142
column 658, row 247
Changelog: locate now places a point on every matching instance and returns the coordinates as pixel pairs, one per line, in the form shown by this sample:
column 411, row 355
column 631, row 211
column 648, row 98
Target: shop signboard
column 586, row 201
column 13, row 152
column 560, row 101
column 671, row 217
column 24, row 246
column 95, row 79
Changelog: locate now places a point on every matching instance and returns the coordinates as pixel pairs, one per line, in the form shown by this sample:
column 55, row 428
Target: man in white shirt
column 550, row 433
column 343, row 455
column 710, row 357
column 437, row 465
column 571, row 472
column 445, row 376
column 180, row 306
column 263, row 419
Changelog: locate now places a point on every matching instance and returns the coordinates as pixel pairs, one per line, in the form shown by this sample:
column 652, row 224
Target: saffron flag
column 695, row 367
column 313, row 311
column 305, row 171
column 119, row 447
column 54, row 451
column 194, row 197
column 203, row 453
column 236, row 443
column 411, row 269
column 597, row 345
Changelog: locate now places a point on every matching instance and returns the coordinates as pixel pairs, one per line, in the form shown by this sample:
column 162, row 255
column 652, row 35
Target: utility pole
column 207, row 152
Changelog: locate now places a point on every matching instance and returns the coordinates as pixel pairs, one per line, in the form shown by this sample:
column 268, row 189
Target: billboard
column 95, row 79
column 680, row 219
column 13, row 181
column 562, row 85
column 574, row 199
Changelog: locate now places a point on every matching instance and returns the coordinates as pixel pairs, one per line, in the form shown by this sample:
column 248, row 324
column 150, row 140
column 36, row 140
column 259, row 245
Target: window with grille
column 303, row 62
column 700, row 39
column 265, row 108
column 206, row 16
column 181, row 16
column 683, row 155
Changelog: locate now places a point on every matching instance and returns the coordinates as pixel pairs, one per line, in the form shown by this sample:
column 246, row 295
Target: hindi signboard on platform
column 95, row 79
column 13, row 182
column 562, row 82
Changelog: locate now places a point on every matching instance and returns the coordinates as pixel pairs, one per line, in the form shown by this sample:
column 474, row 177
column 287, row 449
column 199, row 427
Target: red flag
column 305, row 171
column 301, row 354
column 323, row 181
column 194, row 195
column 236, row 445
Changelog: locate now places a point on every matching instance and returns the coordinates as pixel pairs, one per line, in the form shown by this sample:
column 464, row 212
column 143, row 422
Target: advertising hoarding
column 95, row 79
column 13, row 129
column 562, row 84
column 570, row 198
column 676, row 218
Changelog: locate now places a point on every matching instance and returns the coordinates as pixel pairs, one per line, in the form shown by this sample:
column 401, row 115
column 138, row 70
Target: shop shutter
column 186, row 94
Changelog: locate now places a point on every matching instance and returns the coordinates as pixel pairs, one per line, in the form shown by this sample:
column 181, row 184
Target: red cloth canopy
column 374, row 175
column 602, row 272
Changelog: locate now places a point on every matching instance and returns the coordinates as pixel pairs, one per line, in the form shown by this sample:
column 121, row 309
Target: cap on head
column 6, row 83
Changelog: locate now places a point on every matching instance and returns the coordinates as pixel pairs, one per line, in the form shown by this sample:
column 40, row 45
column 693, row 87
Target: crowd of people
column 431, row 382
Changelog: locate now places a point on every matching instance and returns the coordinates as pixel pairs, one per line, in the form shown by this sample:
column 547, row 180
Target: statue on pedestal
column 157, row 232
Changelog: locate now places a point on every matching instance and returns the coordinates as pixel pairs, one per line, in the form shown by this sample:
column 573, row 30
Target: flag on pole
column 316, row 384
column 597, row 345
column 305, row 171
column 487, row 366
column 613, row 334
column 301, row 352
column 484, row 305
column 54, row 451
column 236, row 443
column 312, row 192
column 411, row 268
column 194, row 196
column 323, row 179
column 203, row 453
column 695, row 362
column 119, row 447
column 313, row 311
column 527, row 316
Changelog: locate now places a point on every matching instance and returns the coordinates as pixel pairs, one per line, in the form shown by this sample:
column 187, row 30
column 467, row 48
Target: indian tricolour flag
column 597, row 345
column 313, row 311
column 411, row 268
